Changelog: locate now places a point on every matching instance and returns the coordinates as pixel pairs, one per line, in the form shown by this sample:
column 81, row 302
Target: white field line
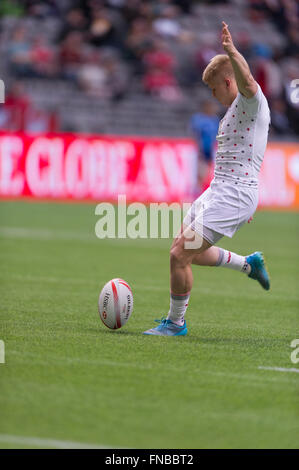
column 280, row 369
column 52, row 443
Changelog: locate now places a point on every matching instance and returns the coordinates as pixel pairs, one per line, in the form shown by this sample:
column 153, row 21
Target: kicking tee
column 242, row 139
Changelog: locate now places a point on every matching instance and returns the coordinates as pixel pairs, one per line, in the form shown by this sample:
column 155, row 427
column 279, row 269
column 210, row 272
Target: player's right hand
column 227, row 41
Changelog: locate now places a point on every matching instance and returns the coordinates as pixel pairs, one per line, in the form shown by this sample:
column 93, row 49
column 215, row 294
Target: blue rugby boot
column 258, row 269
column 167, row 328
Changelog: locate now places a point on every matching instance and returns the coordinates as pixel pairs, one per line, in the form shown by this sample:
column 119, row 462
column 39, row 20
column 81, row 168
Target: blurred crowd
column 104, row 46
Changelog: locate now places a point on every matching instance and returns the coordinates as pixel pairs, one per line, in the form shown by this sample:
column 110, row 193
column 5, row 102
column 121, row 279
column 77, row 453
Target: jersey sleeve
column 251, row 105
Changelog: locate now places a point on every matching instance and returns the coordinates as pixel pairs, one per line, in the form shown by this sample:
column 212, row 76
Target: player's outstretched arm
column 245, row 81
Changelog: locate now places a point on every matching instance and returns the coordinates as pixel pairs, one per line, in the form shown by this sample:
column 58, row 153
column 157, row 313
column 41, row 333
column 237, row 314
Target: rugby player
column 232, row 197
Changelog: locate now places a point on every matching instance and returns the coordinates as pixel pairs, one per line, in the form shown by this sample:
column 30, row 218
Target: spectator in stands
column 103, row 75
column 204, row 126
column 42, row 8
column 131, row 11
column 19, row 114
column 167, row 24
column 159, row 78
column 160, row 40
column 291, row 74
column 43, row 59
column 162, row 84
column 16, row 106
column 138, row 42
column 146, row 11
column 75, row 21
column 117, row 76
column 206, row 51
column 185, row 50
column 292, row 47
column 102, row 31
column 160, row 56
column 244, row 44
column 279, row 120
column 270, row 8
column 19, row 54
column 256, row 10
column 267, row 72
column 92, row 76
column 72, row 54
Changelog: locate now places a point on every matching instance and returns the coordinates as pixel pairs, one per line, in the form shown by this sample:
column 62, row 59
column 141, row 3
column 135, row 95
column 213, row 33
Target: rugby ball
column 115, row 303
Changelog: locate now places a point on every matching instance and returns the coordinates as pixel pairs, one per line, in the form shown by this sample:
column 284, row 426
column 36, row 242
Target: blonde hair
column 219, row 64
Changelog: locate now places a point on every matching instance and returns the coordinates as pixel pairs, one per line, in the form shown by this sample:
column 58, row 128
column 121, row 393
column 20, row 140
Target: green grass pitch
column 68, row 378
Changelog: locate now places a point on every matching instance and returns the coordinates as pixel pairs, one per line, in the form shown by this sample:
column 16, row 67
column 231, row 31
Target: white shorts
column 221, row 210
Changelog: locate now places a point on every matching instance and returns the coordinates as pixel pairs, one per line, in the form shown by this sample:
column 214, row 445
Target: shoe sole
column 181, row 333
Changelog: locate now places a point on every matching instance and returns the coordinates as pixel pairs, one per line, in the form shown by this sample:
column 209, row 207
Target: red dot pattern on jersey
column 235, row 145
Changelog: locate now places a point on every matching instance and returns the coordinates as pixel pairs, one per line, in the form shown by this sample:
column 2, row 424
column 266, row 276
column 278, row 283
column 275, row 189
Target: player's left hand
column 249, row 220
column 227, row 41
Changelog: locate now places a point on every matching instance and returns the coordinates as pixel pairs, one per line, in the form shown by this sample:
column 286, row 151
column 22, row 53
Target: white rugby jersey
column 242, row 139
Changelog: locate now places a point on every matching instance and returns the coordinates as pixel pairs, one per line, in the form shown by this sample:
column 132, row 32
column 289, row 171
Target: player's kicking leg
column 253, row 265
column 181, row 281
column 181, row 278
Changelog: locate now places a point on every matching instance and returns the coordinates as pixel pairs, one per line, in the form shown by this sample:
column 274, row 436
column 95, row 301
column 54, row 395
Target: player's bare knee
column 178, row 256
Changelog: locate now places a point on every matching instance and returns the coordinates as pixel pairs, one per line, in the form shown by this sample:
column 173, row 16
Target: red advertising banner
column 67, row 166
column 279, row 177
column 97, row 168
